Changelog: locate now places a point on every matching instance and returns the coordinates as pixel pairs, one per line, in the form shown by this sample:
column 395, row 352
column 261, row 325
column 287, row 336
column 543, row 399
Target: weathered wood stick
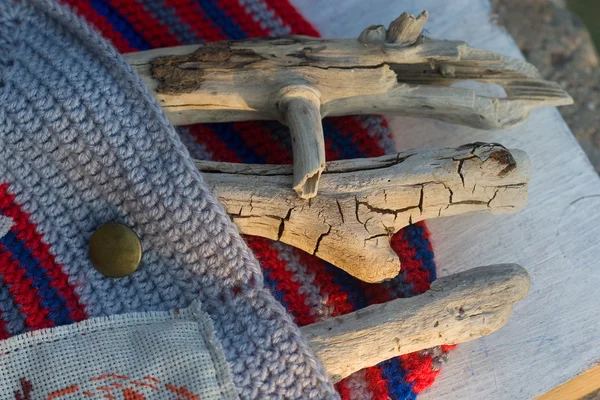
column 363, row 202
column 456, row 309
column 302, row 109
column 242, row 80
column 393, row 71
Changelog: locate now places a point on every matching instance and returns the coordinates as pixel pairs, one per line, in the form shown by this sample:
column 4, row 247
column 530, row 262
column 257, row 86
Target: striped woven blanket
column 309, row 288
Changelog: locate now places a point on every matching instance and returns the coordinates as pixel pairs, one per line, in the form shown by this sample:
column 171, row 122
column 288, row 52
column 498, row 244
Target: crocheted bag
column 85, row 144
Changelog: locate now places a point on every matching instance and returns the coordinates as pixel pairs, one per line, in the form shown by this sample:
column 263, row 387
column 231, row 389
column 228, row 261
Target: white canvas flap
column 156, row 355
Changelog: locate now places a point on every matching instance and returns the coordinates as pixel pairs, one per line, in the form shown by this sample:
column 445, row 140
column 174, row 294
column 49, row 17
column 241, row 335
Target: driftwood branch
column 301, row 106
column 234, row 81
column 363, row 202
column 393, row 71
column 456, row 309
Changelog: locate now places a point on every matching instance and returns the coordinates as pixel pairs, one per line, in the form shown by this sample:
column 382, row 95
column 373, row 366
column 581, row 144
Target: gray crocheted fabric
column 83, row 143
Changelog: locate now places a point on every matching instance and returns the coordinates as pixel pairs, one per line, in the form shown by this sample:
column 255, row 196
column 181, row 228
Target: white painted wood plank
column 553, row 334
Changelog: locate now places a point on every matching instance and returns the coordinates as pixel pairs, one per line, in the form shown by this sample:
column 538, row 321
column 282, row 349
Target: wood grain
column 406, row 29
column 455, row 309
column 299, row 80
column 301, row 106
column 577, row 387
column 242, row 80
column 552, row 336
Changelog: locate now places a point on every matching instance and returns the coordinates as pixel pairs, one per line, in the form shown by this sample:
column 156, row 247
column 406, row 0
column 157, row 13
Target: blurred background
column 588, row 11
column 561, row 38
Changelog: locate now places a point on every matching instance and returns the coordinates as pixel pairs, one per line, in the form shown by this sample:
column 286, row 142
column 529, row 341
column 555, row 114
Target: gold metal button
column 115, row 250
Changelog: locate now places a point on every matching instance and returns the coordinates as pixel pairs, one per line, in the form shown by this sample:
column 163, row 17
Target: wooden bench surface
column 553, row 334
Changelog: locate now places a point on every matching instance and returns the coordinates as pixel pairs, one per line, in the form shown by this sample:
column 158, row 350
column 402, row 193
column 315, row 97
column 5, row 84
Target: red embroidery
column 62, row 392
column 101, row 377
column 26, row 388
column 128, row 388
column 183, row 392
column 129, row 394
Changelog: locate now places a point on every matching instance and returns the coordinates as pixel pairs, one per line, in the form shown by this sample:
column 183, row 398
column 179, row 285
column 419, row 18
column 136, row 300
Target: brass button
column 115, row 250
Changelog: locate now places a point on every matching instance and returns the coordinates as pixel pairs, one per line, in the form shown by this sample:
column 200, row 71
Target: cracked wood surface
column 456, row 308
column 556, row 237
column 363, row 202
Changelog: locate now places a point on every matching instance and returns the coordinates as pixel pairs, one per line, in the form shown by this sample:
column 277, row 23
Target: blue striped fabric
column 196, row 21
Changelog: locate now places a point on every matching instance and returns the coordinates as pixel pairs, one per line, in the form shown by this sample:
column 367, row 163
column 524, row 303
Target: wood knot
column 497, row 159
column 504, row 159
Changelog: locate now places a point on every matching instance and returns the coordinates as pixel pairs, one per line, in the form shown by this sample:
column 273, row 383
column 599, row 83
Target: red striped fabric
column 40, row 250
column 83, row 7
column 23, row 292
column 294, row 299
column 250, row 141
column 298, row 24
column 151, row 29
column 190, row 13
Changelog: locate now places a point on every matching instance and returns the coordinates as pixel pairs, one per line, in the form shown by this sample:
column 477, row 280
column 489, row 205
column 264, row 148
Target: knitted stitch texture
column 84, row 143
column 309, row 288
